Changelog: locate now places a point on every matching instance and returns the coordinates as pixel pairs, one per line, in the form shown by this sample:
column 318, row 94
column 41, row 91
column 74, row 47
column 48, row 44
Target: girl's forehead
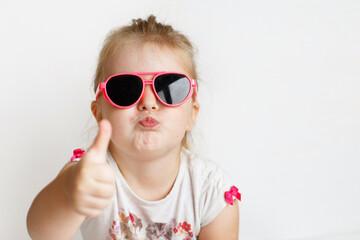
column 148, row 57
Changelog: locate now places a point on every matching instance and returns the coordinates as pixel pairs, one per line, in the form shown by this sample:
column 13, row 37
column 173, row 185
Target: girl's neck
column 150, row 178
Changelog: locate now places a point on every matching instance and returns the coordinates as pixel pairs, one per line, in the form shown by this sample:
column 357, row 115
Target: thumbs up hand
column 92, row 181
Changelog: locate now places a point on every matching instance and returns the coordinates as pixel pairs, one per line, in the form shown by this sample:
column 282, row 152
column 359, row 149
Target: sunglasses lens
column 172, row 88
column 124, row 90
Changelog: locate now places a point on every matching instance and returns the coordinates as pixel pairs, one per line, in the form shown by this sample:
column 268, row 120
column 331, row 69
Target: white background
column 279, row 95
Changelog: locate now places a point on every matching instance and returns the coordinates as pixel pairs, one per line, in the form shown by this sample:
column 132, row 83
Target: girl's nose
column 148, row 100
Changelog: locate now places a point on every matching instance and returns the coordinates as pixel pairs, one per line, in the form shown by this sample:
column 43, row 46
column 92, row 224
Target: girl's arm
column 51, row 215
column 224, row 226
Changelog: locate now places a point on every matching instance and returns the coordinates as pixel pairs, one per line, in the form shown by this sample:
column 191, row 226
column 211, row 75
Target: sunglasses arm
column 100, row 88
column 193, row 85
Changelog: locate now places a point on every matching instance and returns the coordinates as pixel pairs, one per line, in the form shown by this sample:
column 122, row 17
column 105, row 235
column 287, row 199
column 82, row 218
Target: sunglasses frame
column 102, row 87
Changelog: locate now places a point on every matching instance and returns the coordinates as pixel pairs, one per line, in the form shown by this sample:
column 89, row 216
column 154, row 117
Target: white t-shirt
column 196, row 198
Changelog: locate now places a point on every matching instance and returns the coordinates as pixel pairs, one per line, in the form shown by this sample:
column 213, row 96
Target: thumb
column 101, row 142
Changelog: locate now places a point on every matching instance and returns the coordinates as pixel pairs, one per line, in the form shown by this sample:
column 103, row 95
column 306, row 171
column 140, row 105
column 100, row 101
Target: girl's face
column 148, row 127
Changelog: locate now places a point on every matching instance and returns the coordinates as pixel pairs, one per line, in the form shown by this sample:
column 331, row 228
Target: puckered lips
column 148, row 122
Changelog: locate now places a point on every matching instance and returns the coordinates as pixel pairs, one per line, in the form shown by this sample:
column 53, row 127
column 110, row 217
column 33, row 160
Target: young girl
column 139, row 180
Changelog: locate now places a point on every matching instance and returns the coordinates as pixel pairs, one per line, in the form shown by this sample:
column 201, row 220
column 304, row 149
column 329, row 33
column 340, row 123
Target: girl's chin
column 154, row 147
column 147, row 142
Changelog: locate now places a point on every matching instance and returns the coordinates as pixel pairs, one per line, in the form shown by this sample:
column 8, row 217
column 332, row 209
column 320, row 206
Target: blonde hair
column 147, row 31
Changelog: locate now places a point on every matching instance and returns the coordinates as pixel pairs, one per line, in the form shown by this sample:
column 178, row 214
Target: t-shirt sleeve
column 215, row 182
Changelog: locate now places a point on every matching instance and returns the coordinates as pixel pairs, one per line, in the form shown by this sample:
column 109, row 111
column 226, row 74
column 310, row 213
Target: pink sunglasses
column 124, row 90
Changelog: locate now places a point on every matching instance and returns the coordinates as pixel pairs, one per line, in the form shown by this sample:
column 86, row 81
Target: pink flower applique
column 183, row 228
column 234, row 192
column 77, row 154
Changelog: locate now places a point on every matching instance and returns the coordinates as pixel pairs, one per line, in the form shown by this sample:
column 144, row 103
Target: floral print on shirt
column 130, row 228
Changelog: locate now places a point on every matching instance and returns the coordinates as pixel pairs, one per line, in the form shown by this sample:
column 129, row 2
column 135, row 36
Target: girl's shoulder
column 213, row 186
column 207, row 171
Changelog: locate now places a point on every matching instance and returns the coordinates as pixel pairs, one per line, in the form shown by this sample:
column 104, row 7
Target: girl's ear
column 95, row 109
column 194, row 112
